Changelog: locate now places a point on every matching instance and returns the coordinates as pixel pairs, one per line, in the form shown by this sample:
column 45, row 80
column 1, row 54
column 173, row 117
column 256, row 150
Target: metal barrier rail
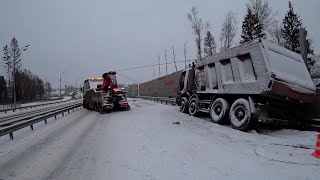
column 14, row 125
column 31, row 106
column 165, row 100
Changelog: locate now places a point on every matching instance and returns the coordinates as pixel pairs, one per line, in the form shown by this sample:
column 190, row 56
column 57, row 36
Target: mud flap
column 252, row 106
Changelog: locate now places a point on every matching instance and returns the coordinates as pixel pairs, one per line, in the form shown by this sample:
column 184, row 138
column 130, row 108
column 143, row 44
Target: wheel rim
column 182, row 106
column 217, row 109
column 240, row 113
column 193, row 107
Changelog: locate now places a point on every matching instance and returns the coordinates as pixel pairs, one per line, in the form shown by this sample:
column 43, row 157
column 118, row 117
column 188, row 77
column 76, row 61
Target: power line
column 128, row 78
column 146, row 66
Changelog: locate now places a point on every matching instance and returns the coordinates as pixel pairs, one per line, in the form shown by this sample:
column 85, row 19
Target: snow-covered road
column 143, row 143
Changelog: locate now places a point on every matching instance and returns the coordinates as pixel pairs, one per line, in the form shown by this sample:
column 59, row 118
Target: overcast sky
column 84, row 38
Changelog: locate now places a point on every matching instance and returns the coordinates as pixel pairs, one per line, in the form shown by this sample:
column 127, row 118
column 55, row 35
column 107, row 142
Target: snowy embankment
column 147, row 142
column 65, row 98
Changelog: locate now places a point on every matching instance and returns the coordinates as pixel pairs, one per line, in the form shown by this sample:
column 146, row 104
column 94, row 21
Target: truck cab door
column 189, row 80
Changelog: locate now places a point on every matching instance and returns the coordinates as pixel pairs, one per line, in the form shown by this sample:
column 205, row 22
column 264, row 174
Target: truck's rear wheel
column 193, row 107
column 219, row 110
column 184, row 105
column 240, row 115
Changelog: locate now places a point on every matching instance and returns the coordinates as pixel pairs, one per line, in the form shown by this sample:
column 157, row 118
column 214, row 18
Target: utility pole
column 159, row 64
column 60, row 86
column 165, row 56
column 174, row 58
column 185, row 54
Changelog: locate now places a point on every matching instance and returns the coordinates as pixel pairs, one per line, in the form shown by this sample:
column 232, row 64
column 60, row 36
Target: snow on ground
column 144, row 143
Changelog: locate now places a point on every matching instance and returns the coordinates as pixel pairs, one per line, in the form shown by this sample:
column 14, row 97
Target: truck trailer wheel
column 193, row 107
column 219, row 110
column 184, row 105
column 240, row 115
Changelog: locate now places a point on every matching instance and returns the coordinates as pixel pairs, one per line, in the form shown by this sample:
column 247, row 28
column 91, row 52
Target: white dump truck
column 256, row 81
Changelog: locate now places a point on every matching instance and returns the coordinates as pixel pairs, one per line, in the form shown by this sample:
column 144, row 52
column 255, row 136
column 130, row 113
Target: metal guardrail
column 8, row 124
column 31, row 106
column 164, row 100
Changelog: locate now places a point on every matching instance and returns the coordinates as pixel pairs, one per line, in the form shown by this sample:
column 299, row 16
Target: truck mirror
column 81, row 89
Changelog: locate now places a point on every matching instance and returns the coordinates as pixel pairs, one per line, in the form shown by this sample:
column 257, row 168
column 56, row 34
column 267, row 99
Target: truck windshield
column 94, row 84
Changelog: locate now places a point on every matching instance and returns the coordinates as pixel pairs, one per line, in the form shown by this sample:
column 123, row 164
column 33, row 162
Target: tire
column 88, row 106
column 184, row 105
column 240, row 115
column 100, row 109
column 219, row 110
column 193, row 107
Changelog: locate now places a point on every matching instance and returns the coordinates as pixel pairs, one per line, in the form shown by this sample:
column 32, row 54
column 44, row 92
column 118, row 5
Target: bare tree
column 165, row 56
column 174, row 58
column 275, row 34
column 228, row 31
column 264, row 13
column 8, row 62
column 48, row 89
column 12, row 56
column 185, row 54
column 199, row 28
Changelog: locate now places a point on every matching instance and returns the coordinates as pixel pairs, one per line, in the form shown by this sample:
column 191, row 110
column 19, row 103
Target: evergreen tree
column 290, row 30
column 290, row 34
column 209, row 45
column 251, row 27
column 3, row 89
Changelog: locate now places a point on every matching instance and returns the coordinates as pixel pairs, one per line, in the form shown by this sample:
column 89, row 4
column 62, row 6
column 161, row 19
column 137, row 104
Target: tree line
column 21, row 84
column 258, row 22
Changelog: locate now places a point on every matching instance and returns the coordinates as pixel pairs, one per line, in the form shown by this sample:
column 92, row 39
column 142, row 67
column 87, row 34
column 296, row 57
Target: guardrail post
column 63, row 114
column 68, row 112
column 45, row 121
column 11, row 136
column 31, row 127
column 55, row 116
column 166, row 102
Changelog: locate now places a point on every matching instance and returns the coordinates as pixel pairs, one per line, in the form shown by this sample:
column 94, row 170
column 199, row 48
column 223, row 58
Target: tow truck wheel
column 218, row 110
column 184, row 105
column 100, row 109
column 193, row 107
column 240, row 115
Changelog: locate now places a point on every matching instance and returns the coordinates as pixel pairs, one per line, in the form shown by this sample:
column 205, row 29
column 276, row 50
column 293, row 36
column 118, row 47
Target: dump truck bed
column 258, row 68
